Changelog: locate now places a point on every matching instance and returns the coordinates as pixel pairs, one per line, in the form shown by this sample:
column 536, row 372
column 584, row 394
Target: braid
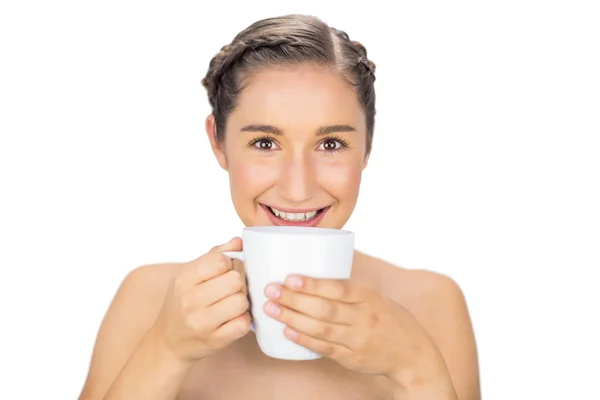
column 359, row 49
column 291, row 39
column 232, row 53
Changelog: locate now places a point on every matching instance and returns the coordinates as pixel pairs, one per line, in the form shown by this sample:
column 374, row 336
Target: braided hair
column 291, row 39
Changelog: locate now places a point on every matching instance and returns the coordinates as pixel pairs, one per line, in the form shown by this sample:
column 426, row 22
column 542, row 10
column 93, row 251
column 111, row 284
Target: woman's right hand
column 206, row 306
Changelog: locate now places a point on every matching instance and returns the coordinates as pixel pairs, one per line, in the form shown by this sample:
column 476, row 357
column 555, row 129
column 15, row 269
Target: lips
column 288, row 217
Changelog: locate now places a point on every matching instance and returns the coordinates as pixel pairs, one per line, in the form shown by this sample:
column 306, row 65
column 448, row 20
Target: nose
column 297, row 179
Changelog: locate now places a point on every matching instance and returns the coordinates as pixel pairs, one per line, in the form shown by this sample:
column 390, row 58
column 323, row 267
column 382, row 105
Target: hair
column 288, row 40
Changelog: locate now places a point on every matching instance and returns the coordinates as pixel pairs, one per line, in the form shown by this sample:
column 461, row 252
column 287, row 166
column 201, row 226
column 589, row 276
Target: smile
column 295, row 217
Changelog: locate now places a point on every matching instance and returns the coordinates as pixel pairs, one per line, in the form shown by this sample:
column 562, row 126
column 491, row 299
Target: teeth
column 294, row 217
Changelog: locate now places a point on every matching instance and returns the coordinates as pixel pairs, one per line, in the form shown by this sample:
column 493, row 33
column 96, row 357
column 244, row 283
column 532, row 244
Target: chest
column 243, row 372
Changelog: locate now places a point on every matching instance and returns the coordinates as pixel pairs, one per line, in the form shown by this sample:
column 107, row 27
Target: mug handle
column 239, row 255
column 236, row 255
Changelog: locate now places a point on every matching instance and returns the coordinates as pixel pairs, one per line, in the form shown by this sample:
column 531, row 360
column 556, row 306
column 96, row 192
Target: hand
column 205, row 308
column 352, row 324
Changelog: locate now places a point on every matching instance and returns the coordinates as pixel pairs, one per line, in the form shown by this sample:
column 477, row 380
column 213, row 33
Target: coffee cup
column 270, row 254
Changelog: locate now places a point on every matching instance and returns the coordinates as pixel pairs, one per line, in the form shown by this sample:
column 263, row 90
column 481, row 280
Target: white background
column 485, row 167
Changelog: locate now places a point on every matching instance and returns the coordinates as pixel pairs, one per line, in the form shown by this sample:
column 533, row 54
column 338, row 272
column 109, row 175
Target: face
column 294, row 148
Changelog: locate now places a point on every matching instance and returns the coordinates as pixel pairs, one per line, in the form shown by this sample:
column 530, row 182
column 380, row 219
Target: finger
column 314, row 306
column 235, row 244
column 334, row 289
column 207, row 267
column 229, row 308
column 330, row 332
column 218, row 288
column 212, row 263
column 236, row 327
column 239, row 267
column 322, row 347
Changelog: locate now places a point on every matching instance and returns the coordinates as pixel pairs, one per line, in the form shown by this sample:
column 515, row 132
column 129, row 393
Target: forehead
column 298, row 96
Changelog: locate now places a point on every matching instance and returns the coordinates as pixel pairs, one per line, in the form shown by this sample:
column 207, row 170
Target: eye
column 263, row 144
column 332, row 145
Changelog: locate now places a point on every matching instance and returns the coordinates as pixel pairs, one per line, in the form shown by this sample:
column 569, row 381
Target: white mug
column 270, row 254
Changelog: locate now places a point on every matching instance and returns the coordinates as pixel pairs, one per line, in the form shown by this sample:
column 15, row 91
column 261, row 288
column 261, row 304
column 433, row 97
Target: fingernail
column 272, row 291
column 294, row 281
column 291, row 334
column 272, row 309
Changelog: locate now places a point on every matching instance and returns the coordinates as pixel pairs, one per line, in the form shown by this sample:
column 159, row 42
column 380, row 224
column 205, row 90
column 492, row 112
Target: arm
column 163, row 320
column 432, row 381
column 125, row 344
column 442, row 310
column 151, row 373
column 421, row 341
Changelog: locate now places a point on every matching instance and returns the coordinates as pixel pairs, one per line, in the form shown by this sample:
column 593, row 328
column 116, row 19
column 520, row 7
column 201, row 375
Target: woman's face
column 294, row 148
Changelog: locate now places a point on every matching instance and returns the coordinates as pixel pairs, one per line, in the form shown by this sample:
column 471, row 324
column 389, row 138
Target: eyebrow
column 262, row 128
column 324, row 130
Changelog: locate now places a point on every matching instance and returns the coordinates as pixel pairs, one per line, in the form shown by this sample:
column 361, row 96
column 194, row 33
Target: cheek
column 250, row 178
column 341, row 179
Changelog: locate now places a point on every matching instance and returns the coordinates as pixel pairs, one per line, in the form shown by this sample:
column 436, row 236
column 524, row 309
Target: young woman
column 293, row 107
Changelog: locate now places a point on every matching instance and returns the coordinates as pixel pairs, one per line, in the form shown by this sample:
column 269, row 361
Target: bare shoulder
column 438, row 303
column 404, row 285
column 131, row 313
column 141, row 294
column 150, row 279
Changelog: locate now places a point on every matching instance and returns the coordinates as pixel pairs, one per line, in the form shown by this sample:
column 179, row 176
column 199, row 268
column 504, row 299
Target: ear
column 217, row 147
column 366, row 161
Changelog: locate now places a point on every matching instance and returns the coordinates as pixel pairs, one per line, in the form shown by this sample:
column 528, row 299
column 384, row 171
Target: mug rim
column 297, row 230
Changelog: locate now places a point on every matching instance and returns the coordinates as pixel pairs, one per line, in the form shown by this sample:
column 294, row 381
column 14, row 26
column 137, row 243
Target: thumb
column 234, row 244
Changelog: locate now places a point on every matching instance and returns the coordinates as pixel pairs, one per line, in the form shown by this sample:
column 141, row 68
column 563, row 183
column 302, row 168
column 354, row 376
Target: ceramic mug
column 270, row 254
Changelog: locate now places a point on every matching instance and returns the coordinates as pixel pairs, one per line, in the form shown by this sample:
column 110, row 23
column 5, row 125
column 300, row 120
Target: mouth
column 305, row 217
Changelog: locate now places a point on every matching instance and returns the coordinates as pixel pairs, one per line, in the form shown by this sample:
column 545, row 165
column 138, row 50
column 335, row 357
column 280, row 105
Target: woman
column 292, row 122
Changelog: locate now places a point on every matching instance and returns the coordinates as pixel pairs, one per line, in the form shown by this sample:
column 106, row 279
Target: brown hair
column 289, row 39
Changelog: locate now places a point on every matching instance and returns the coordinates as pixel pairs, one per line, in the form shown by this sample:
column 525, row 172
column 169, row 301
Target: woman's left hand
column 354, row 325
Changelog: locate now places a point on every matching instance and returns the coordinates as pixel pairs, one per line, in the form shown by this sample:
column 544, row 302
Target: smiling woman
column 292, row 122
column 297, row 140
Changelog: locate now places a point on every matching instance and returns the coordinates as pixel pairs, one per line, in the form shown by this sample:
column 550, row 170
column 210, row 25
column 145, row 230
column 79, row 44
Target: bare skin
column 296, row 142
column 241, row 371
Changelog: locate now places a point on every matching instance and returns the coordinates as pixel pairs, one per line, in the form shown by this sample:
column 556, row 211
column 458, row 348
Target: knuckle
column 236, row 281
column 373, row 319
column 245, row 322
column 240, row 326
column 327, row 312
column 224, row 262
column 331, row 311
column 200, row 262
column 240, row 329
column 222, row 258
column 234, row 274
column 327, row 349
column 322, row 330
column 328, row 331
column 360, row 361
column 240, row 301
column 212, row 258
